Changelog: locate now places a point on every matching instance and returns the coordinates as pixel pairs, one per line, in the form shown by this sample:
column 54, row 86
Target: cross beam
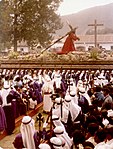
column 95, row 27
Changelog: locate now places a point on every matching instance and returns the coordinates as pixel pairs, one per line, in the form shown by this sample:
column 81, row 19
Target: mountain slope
column 103, row 15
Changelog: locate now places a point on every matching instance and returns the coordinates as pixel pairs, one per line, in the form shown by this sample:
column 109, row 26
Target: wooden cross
column 95, row 26
column 72, row 29
column 40, row 119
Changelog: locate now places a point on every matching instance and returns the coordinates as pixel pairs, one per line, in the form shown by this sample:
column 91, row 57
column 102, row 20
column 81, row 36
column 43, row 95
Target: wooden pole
column 95, row 30
column 58, row 40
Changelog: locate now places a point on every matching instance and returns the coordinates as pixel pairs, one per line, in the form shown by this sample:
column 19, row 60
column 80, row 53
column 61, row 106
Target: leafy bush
column 13, row 55
column 94, row 53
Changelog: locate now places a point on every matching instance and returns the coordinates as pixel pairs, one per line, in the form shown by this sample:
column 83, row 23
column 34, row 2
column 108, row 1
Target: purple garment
column 35, row 92
column 9, row 119
column 62, row 89
column 19, row 108
column 38, row 86
column 38, row 96
column 18, row 142
column 3, row 124
column 11, row 98
column 15, row 108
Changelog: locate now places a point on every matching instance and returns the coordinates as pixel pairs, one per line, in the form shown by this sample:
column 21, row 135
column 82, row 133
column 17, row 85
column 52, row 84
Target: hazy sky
column 73, row 6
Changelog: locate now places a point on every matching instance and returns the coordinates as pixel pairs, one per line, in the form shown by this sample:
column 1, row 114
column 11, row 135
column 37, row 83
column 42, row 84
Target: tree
column 33, row 21
column 5, row 24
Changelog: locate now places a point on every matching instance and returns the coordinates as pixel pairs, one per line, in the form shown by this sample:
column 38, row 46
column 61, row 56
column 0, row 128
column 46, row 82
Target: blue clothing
column 99, row 96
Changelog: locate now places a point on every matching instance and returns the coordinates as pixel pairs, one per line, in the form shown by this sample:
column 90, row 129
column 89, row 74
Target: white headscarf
column 48, row 85
column 59, row 132
column 57, row 110
column 83, row 92
column 57, row 80
column 44, row 146
column 56, row 142
column 27, row 130
column 74, row 97
column 73, row 108
column 57, row 122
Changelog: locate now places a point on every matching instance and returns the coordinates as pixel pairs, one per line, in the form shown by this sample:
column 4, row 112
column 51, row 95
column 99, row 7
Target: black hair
column 78, row 137
column 104, row 113
column 106, row 89
column 90, row 119
column 92, row 128
column 98, row 88
column 101, row 134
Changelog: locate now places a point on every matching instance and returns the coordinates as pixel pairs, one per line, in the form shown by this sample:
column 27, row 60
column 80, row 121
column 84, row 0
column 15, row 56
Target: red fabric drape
column 69, row 44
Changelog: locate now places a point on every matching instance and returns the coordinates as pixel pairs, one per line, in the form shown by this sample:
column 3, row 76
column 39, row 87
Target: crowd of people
column 79, row 102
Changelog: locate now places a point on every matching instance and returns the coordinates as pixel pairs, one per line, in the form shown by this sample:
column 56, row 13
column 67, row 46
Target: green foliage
column 65, row 58
column 5, row 23
column 13, row 55
column 31, row 20
column 94, row 53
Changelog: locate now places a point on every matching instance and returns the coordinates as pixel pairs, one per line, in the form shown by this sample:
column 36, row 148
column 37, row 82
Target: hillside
column 103, row 15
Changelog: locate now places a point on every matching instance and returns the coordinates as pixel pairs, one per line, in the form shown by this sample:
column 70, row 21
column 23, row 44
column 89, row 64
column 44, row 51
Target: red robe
column 69, row 44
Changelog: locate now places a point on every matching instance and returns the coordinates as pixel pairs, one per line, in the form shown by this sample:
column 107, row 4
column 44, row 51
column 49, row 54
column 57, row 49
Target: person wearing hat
column 27, row 130
column 72, row 107
column 57, row 106
column 29, row 137
column 39, row 74
column 71, row 86
column 101, row 80
column 83, row 100
column 74, row 97
column 44, row 146
column 75, row 115
column 82, row 75
column 61, row 110
column 57, row 122
column 66, row 140
column 58, row 84
column 47, row 91
column 56, row 143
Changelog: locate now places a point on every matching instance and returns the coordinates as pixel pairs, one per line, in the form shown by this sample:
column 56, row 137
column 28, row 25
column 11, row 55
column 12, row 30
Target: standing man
column 47, row 91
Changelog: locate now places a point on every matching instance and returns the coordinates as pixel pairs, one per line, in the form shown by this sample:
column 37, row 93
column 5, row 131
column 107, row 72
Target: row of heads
column 36, row 71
